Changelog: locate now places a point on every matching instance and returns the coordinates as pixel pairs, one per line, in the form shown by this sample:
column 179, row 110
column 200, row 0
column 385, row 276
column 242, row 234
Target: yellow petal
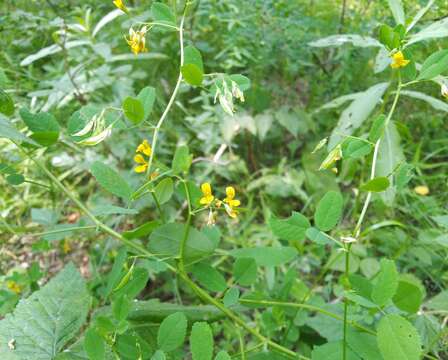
column 206, row 189
column 139, row 159
column 234, row 203
column 207, row 200
column 421, row 190
column 230, row 192
column 141, row 168
column 230, row 211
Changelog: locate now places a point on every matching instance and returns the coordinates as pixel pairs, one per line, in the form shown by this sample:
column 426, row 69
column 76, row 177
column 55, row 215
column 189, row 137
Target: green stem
column 173, row 95
column 346, row 304
column 307, row 307
column 154, row 197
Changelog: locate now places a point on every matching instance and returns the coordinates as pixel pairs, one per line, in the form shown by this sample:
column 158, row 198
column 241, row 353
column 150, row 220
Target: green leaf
column 355, row 148
column 94, row 345
column 121, row 307
column 161, row 12
column 245, row 271
column 115, row 274
column 332, row 351
column 147, row 96
column 192, row 74
column 165, row 241
column 356, row 113
column 44, row 126
column 398, row 339
column 231, row 297
column 377, row 184
column 434, row 65
column 134, row 284
column 364, row 345
column 290, row 229
column 386, row 283
column 390, row 155
column 193, row 56
column 52, row 316
column 159, row 355
column 142, row 230
column 164, row 190
column 110, row 180
column 182, row 160
column 388, row 37
column 405, row 172
column 439, row 302
column 242, row 81
column 377, row 129
column 103, row 210
column 8, row 131
column 133, row 109
column 408, row 296
column 396, row 6
column 317, row 236
column 329, row 211
column 265, row 255
column 201, row 341
column 222, row 355
column 6, row 104
column 209, row 277
column 172, row 332
column 15, row 179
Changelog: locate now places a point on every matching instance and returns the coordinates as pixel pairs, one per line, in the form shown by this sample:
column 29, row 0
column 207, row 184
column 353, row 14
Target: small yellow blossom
column 398, row 60
column 230, row 202
column 14, row 287
column 143, row 164
column 66, row 248
column 137, row 40
column 208, row 197
column 144, row 148
column 422, row 190
column 119, row 4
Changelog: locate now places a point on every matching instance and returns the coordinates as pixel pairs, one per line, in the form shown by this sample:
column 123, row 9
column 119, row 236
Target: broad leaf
column 290, row 229
column 329, row 211
column 396, row 6
column 164, row 190
column 133, row 109
column 398, row 339
column 110, row 180
column 209, row 277
column 377, row 184
column 172, row 332
column 434, row 102
column 386, row 283
column 42, row 324
column 6, row 104
column 438, row 29
column 163, row 13
column 409, row 296
column 201, row 341
column 245, row 271
column 147, row 96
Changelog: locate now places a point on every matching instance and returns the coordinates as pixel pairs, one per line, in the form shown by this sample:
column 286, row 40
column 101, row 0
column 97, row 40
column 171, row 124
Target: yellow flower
column 208, row 197
column 230, row 192
column 422, row 190
column 14, row 287
column 230, row 202
column 144, row 148
column 398, row 60
column 143, row 165
column 119, row 4
column 137, row 40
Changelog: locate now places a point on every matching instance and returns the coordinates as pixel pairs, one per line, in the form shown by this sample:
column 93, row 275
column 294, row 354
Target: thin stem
column 173, row 95
column 183, row 242
column 154, row 197
column 347, row 271
column 63, row 230
column 307, row 307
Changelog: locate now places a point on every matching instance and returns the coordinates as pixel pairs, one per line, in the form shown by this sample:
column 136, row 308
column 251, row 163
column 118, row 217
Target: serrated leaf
column 201, row 341
column 386, row 283
column 43, row 323
column 110, row 180
column 172, row 332
column 133, row 109
column 398, row 339
column 377, row 184
column 329, row 211
column 290, row 229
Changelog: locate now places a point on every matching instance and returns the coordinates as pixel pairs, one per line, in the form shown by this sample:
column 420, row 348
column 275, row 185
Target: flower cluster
column 137, row 40
column 143, row 149
column 229, row 202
